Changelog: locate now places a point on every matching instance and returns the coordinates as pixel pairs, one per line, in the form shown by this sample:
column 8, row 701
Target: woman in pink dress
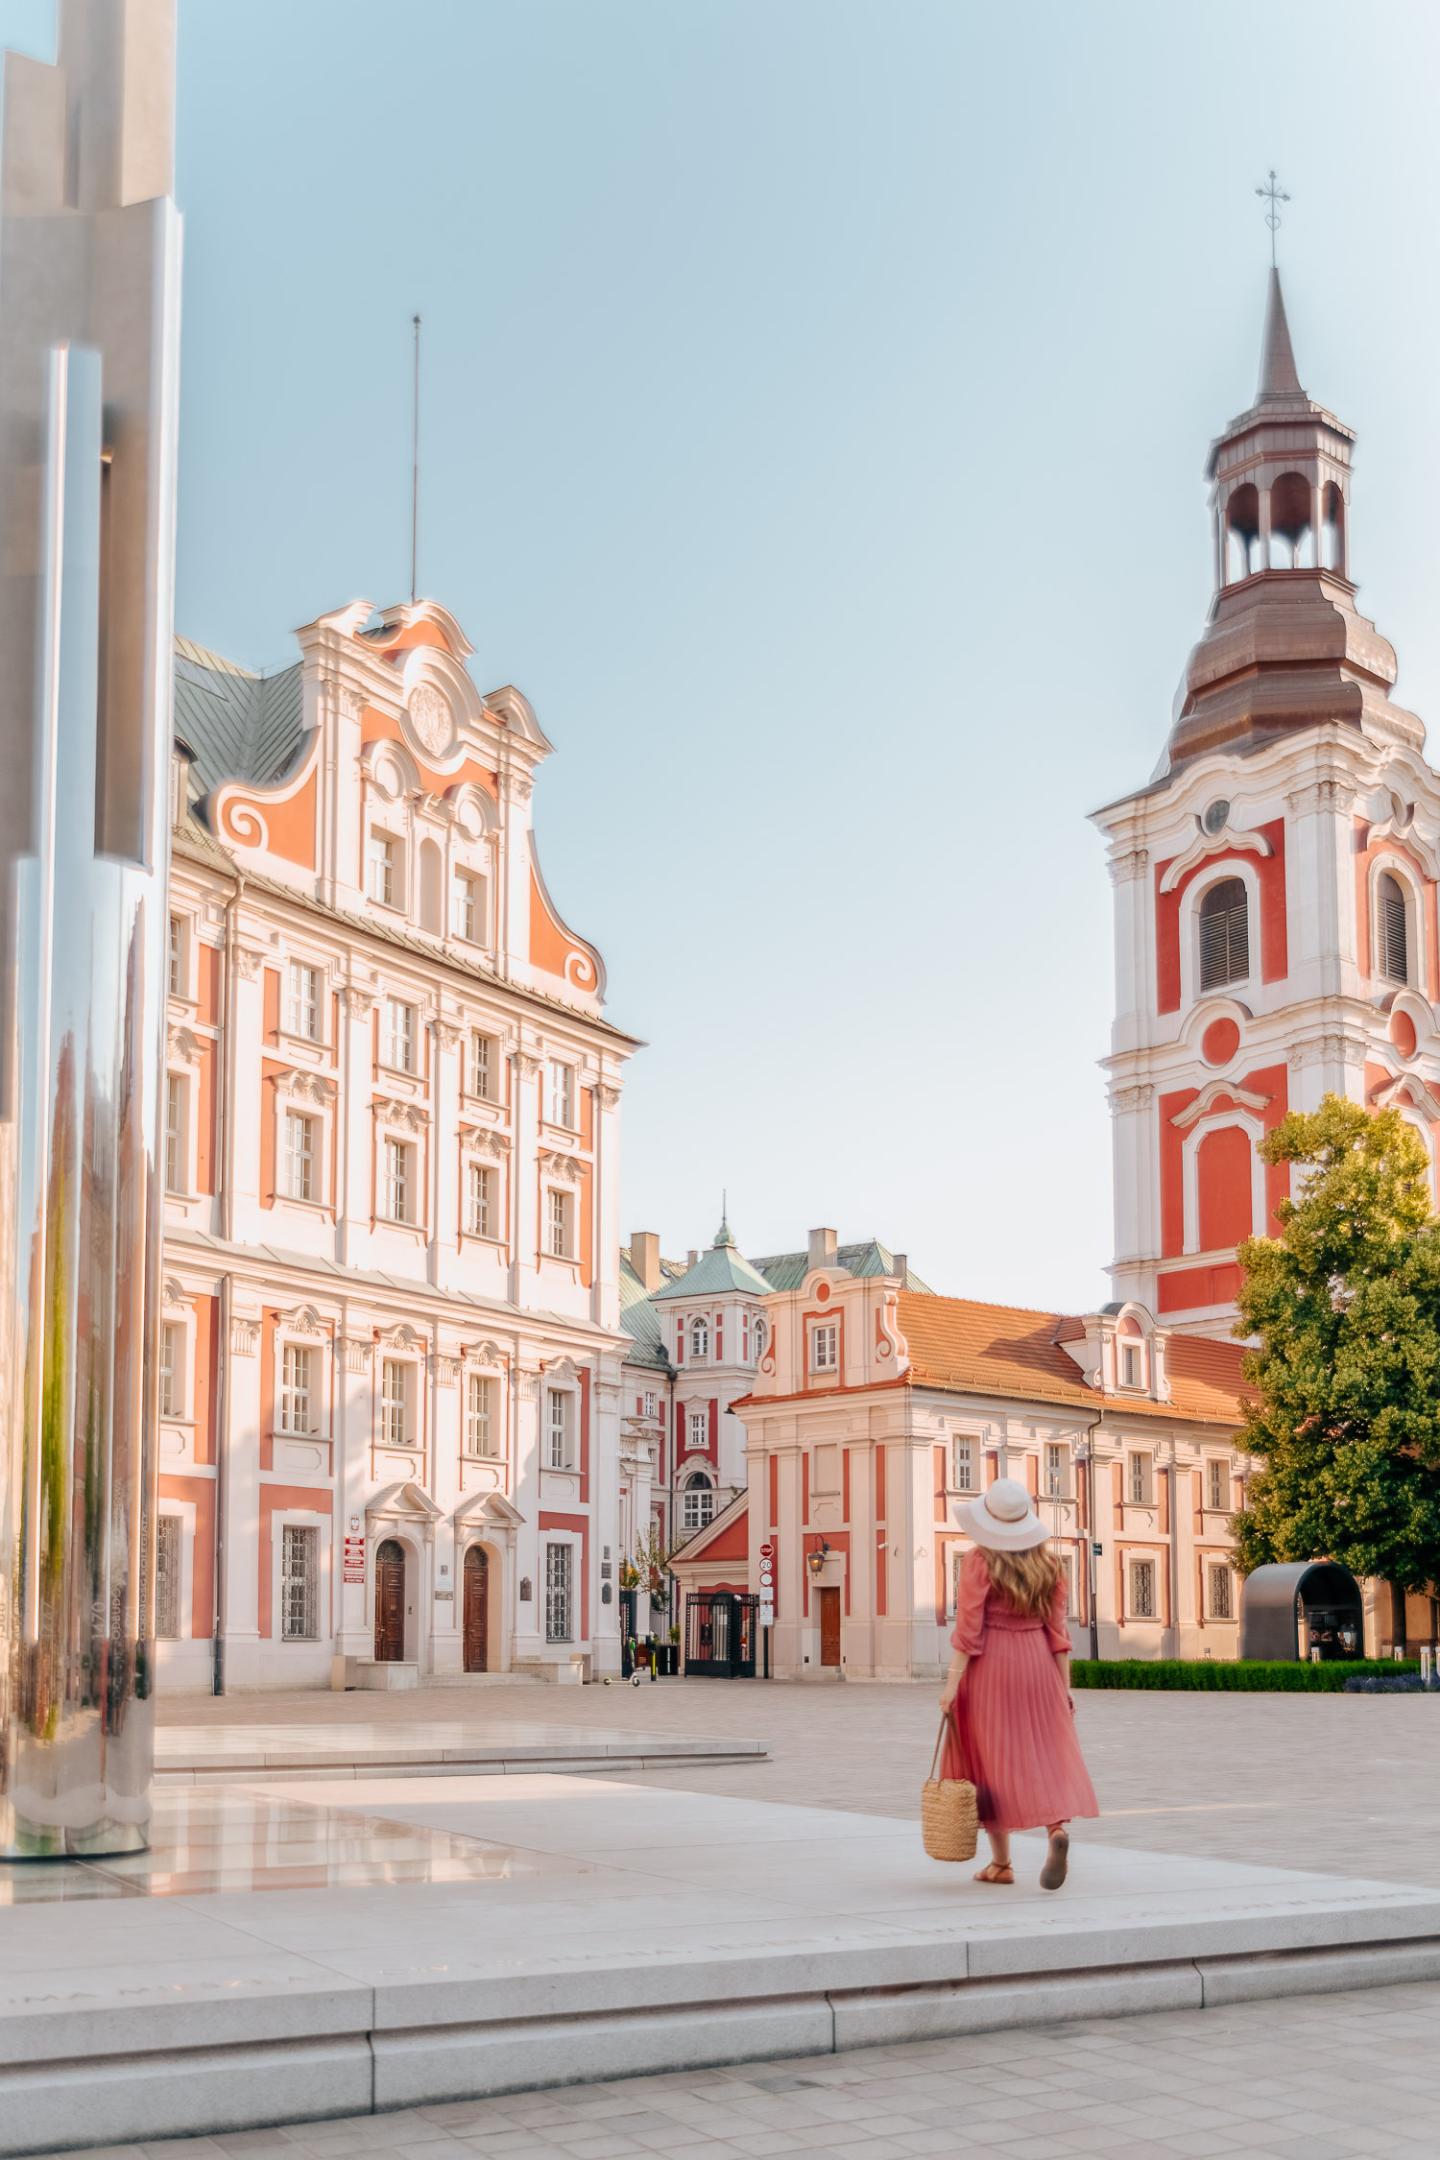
column 1007, row 1692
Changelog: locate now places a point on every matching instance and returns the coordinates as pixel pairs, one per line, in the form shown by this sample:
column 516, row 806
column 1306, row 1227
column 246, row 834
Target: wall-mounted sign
column 353, row 1568
column 526, row 1592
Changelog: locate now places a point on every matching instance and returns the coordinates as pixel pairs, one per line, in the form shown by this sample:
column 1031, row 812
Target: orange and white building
column 391, row 1355
column 1275, row 882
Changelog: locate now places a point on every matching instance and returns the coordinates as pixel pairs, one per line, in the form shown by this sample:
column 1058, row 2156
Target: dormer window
column 1224, row 934
column 1131, row 1373
column 699, row 1341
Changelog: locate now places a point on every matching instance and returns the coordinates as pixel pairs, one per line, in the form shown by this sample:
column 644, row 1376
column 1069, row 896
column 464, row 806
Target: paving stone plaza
column 454, row 1853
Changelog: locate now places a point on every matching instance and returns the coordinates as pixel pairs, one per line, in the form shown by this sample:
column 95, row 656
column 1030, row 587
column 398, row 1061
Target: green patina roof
column 786, row 1271
column 723, row 1268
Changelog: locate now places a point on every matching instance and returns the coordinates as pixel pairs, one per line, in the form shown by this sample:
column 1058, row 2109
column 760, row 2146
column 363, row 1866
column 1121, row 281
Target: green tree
column 1346, row 1307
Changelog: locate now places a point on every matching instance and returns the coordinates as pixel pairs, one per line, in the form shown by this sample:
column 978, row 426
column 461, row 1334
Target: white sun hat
column 1004, row 1518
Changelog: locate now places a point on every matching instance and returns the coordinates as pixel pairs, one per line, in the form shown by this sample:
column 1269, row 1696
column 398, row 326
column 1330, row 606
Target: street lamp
column 815, row 1560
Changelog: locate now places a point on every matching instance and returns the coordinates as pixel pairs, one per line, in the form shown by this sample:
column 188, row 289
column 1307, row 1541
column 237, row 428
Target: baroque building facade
column 1275, row 882
column 391, row 1359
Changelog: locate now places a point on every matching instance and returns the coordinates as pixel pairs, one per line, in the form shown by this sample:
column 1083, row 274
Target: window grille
column 1394, row 930
column 169, row 1531
column 825, row 1347
column 1217, row 1485
column 962, row 1463
column 299, row 1583
column 297, row 1385
column 562, row 1094
column 397, row 1046
column 1054, row 1471
column 299, row 1156
column 481, row 1214
column 172, row 1377
column 1142, row 1590
column 1222, row 1592
column 395, row 1182
column 1224, row 934
column 697, row 1506
column 480, row 1415
column 1141, row 1480
column 382, row 866
column 174, row 1133
column 559, row 1576
column 560, row 1426
column 483, row 1065
column 396, row 1383
column 303, row 1005
column 699, row 1429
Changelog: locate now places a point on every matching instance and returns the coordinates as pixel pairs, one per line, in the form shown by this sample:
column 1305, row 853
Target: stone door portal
column 477, row 1609
column 390, row 1602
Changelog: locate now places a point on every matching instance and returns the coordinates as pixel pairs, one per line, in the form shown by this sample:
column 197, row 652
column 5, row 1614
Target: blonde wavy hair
column 1025, row 1579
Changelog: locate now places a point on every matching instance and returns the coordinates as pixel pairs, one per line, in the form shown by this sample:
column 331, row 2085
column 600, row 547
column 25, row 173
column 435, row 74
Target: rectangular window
column 174, row 1133
column 697, row 1506
column 397, row 1036
column 1141, row 1488
column 699, row 1426
column 299, row 1583
column 1222, row 1592
column 169, row 1551
column 397, row 1402
column 382, row 877
column 470, row 908
column 1055, row 1478
column 297, row 1388
column 480, row 1200
column 1217, row 1484
column 648, row 1403
column 559, row 1603
column 396, row 1181
column 484, row 1065
column 299, row 1159
column 562, row 1094
column 481, row 1435
column 962, row 1464
column 177, row 965
column 1142, row 1589
column 562, row 1224
column 302, row 1002
column 560, row 1429
column 825, row 1346
column 172, row 1369
column 1130, row 1365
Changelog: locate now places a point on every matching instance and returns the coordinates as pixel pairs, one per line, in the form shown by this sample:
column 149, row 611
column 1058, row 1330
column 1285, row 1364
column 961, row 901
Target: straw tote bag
column 949, row 1812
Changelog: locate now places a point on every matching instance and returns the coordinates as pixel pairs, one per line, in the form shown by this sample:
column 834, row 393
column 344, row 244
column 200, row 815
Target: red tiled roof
column 959, row 1344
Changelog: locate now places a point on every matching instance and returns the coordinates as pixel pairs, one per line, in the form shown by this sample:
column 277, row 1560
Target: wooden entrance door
column 477, row 1609
column 829, row 1626
column 390, row 1602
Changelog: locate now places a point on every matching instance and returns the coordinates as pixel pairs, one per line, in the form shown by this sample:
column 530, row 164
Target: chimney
column 900, row 1265
column 822, row 1248
column 692, row 1259
column 645, row 1257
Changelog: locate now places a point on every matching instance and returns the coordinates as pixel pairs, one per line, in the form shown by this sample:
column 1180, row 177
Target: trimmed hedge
column 1234, row 1675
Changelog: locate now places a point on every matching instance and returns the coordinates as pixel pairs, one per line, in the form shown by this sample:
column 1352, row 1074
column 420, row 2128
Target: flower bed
column 1235, row 1675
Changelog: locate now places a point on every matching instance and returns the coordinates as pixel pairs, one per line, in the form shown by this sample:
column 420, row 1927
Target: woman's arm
column 951, row 1689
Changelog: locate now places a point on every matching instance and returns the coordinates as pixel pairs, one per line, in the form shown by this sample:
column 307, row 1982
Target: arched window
column 699, row 1338
column 1392, row 929
column 1224, row 934
column 697, row 1503
column 759, row 1336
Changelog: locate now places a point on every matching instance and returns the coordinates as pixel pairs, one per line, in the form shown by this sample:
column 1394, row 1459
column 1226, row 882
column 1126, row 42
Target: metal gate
column 721, row 1628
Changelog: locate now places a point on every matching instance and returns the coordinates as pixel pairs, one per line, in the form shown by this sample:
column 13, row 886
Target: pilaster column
column 447, row 1200
column 242, row 1522
column 527, row 1074
column 243, row 1167
column 353, row 1428
column 605, row 1293
column 354, row 1202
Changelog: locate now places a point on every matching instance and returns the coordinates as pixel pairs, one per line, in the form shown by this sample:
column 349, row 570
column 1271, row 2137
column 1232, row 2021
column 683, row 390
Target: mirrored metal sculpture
column 89, row 333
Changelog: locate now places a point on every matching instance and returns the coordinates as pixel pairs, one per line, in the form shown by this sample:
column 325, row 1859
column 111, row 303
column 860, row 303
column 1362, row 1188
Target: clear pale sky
column 816, row 402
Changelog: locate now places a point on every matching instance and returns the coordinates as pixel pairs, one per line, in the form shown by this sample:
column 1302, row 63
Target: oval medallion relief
column 429, row 718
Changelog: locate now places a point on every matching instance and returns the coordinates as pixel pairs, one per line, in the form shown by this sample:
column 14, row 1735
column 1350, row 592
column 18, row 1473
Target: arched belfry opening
column 1242, row 534
column 1332, row 531
column 1292, row 531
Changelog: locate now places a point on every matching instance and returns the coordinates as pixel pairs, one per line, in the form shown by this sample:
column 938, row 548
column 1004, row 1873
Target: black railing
column 721, row 1631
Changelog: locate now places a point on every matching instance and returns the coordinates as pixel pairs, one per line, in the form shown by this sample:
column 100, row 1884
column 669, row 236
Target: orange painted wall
column 1270, row 874
column 291, row 824
column 207, row 986
column 313, row 1501
column 378, row 727
column 551, row 948
column 1222, row 1177
column 200, row 1494
column 204, row 1392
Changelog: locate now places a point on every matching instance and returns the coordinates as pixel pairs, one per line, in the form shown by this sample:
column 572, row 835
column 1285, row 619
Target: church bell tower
column 1275, row 882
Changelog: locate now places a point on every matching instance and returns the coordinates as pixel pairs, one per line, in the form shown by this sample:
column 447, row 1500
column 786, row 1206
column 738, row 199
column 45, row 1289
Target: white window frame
column 491, row 1092
column 964, row 1463
column 395, row 1038
column 183, row 1512
column 1215, row 873
column 562, row 1437
column 697, row 1431
column 561, row 1218
column 648, row 1403
column 282, row 1520
column 385, row 866
column 174, row 1330
column 180, row 1133
column 1190, row 1172
column 562, row 1095
column 1214, row 1464
column 406, row 1400
column 489, row 1385
column 482, row 1199
column 1055, row 1470
column 1130, row 1352
column 1134, row 1562
column 286, row 1391
column 312, row 1159
column 824, row 1336
column 762, row 1336
column 298, row 1006
column 389, row 1184
column 1135, row 1458
column 697, row 1348
column 697, row 1503
column 1417, row 979
column 177, row 961
column 561, row 1543
column 469, row 905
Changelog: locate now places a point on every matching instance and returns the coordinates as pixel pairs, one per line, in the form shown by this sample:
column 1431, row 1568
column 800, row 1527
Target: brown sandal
column 998, row 1871
column 1057, row 1861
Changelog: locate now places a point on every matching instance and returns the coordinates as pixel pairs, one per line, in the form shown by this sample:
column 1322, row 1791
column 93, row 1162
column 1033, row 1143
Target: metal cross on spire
column 1274, row 195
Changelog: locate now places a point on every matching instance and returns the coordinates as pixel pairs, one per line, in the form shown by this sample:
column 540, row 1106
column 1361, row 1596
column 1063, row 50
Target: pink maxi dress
column 1013, row 1733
